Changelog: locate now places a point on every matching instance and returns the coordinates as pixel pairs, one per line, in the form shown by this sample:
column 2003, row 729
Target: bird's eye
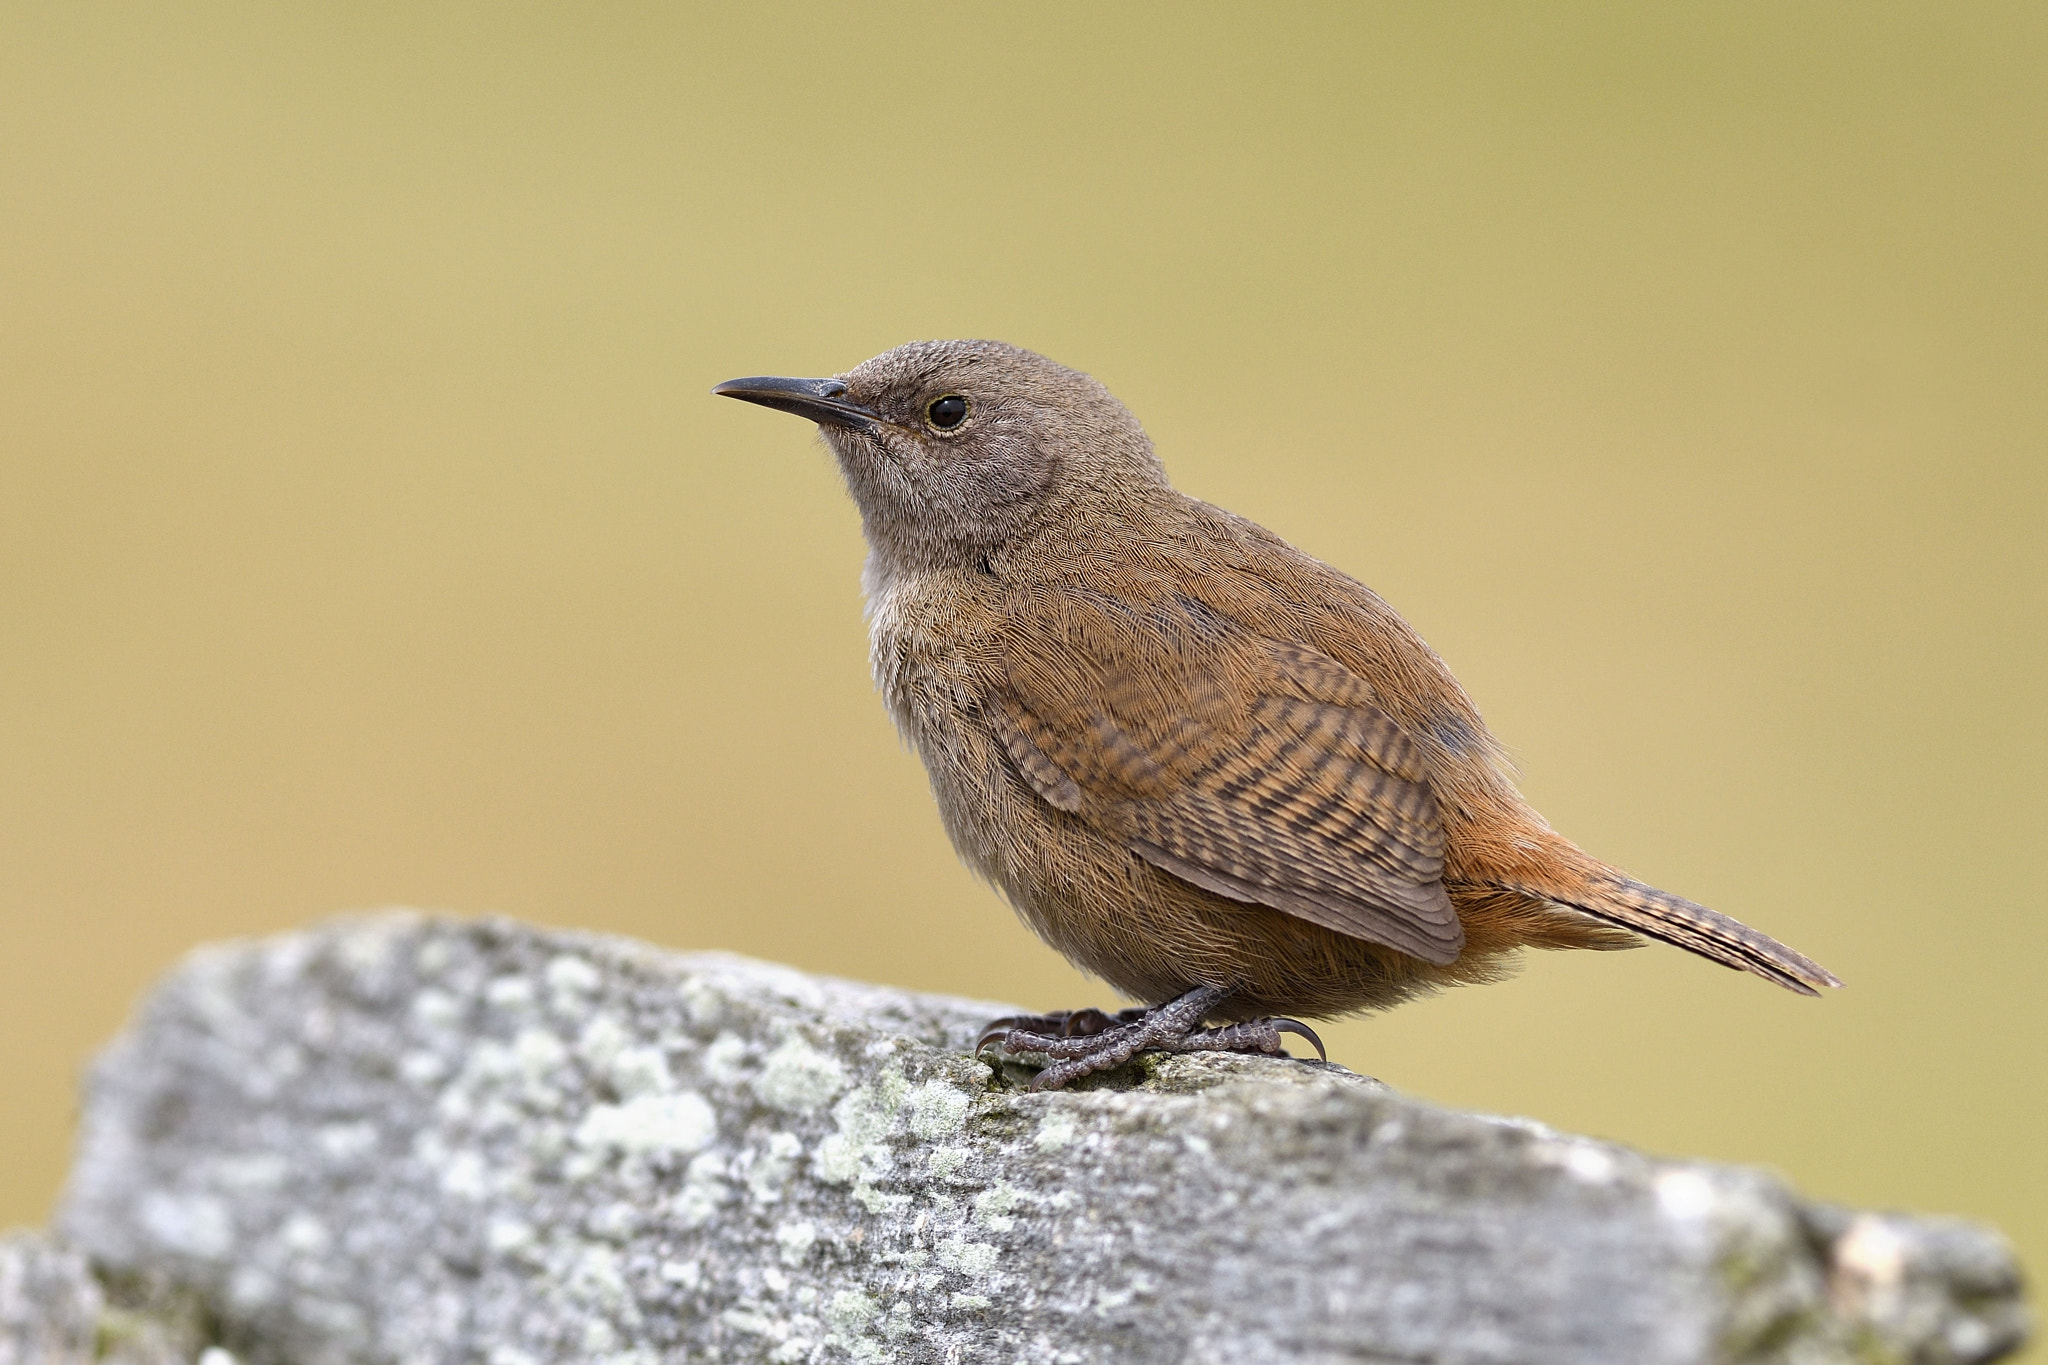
column 948, row 412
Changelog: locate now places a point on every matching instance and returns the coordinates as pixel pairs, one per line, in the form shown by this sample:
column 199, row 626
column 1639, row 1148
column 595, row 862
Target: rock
column 416, row 1140
column 50, row 1305
column 55, row 1311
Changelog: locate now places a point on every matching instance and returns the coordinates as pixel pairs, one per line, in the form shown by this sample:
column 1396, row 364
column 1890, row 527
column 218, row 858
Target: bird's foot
column 1077, row 1043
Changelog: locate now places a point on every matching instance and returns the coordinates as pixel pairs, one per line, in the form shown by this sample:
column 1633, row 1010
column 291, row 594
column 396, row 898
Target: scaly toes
column 1111, row 1050
column 1012, row 1044
column 1254, row 1035
column 1058, row 1074
column 1045, row 1024
column 994, row 1029
column 1078, row 1043
column 1031, row 1031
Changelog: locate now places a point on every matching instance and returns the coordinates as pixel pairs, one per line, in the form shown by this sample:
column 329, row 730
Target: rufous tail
column 1618, row 899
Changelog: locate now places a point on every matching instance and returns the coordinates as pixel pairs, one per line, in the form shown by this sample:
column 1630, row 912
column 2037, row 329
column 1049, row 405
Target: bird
column 1208, row 769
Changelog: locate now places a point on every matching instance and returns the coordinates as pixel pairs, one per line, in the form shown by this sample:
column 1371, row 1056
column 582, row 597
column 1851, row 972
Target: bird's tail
column 1618, row 899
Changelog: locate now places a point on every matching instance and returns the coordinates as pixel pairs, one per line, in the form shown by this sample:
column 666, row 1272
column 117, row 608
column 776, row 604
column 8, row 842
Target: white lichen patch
column 346, row 1141
column 1055, row 1131
column 678, row 1123
column 538, row 1051
column 489, row 1064
column 1583, row 1161
column 704, row 1003
column 858, row 1149
column 772, row 1166
column 993, row 1206
column 725, row 1061
column 596, row 1279
column 1870, row 1268
column 749, row 1323
column 512, row 994
column 304, row 1235
column 465, row 1176
column 702, row 1193
column 614, row 1222
column 508, row 1236
column 540, row 1055
column 946, row 1162
column 850, row 1310
column 793, row 1241
column 422, row 1069
column 969, row 1258
column 1685, row 1195
column 249, row 1172
column 937, row 1110
column 365, row 947
column 570, row 977
column 194, row 1224
column 875, row 1201
column 799, row 1079
column 901, row 1322
column 600, row 1042
column 638, row 1071
column 1872, row 1251
column 435, row 1009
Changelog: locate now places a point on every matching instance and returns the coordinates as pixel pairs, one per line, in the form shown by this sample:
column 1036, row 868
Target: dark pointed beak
column 821, row 400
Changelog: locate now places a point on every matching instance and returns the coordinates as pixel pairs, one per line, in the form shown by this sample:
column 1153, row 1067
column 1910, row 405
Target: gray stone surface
column 50, row 1305
column 54, row 1310
column 416, row 1140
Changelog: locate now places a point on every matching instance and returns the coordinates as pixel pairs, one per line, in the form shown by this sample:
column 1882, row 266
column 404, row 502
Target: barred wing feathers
column 1255, row 770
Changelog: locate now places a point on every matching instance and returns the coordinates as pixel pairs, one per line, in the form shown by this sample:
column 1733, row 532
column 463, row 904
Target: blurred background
column 368, row 536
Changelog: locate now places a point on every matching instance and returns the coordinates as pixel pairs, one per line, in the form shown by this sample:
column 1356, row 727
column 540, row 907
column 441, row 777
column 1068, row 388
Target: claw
column 1017, row 1023
column 1086, row 1023
column 1299, row 1029
column 996, row 1029
column 1048, row 1079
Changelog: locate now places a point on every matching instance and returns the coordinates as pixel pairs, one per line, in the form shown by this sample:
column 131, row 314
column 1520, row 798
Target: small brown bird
column 1205, row 767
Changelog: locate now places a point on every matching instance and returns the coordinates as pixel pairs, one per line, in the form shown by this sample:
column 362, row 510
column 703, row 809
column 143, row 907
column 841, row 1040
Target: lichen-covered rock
column 414, row 1140
column 55, row 1310
column 50, row 1305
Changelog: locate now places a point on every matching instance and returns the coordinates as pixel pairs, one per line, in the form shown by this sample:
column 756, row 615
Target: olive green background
column 367, row 534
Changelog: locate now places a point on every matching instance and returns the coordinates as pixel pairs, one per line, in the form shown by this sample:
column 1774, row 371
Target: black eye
column 948, row 412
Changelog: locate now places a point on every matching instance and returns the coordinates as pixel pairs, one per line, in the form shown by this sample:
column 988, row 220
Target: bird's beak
column 821, row 400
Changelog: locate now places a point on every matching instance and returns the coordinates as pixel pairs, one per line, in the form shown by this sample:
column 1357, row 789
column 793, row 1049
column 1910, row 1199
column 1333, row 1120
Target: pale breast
column 928, row 645
column 907, row 650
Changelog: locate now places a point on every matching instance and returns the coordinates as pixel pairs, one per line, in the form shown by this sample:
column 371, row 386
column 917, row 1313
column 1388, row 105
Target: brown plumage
column 1189, row 754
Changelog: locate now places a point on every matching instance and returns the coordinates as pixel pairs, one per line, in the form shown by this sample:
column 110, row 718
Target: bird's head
column 956, row 450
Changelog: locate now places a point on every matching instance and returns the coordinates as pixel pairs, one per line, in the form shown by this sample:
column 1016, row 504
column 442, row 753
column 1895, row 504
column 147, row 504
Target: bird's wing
column 1258, row 770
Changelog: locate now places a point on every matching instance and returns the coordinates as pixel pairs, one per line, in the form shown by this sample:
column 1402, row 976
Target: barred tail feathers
column 1617, row 899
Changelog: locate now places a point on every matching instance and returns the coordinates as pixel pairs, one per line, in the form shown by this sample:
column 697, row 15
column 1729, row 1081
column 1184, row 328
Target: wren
column 1212, row 771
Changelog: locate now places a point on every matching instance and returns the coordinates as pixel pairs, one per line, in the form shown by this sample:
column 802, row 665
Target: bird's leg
column 1078, row 1043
